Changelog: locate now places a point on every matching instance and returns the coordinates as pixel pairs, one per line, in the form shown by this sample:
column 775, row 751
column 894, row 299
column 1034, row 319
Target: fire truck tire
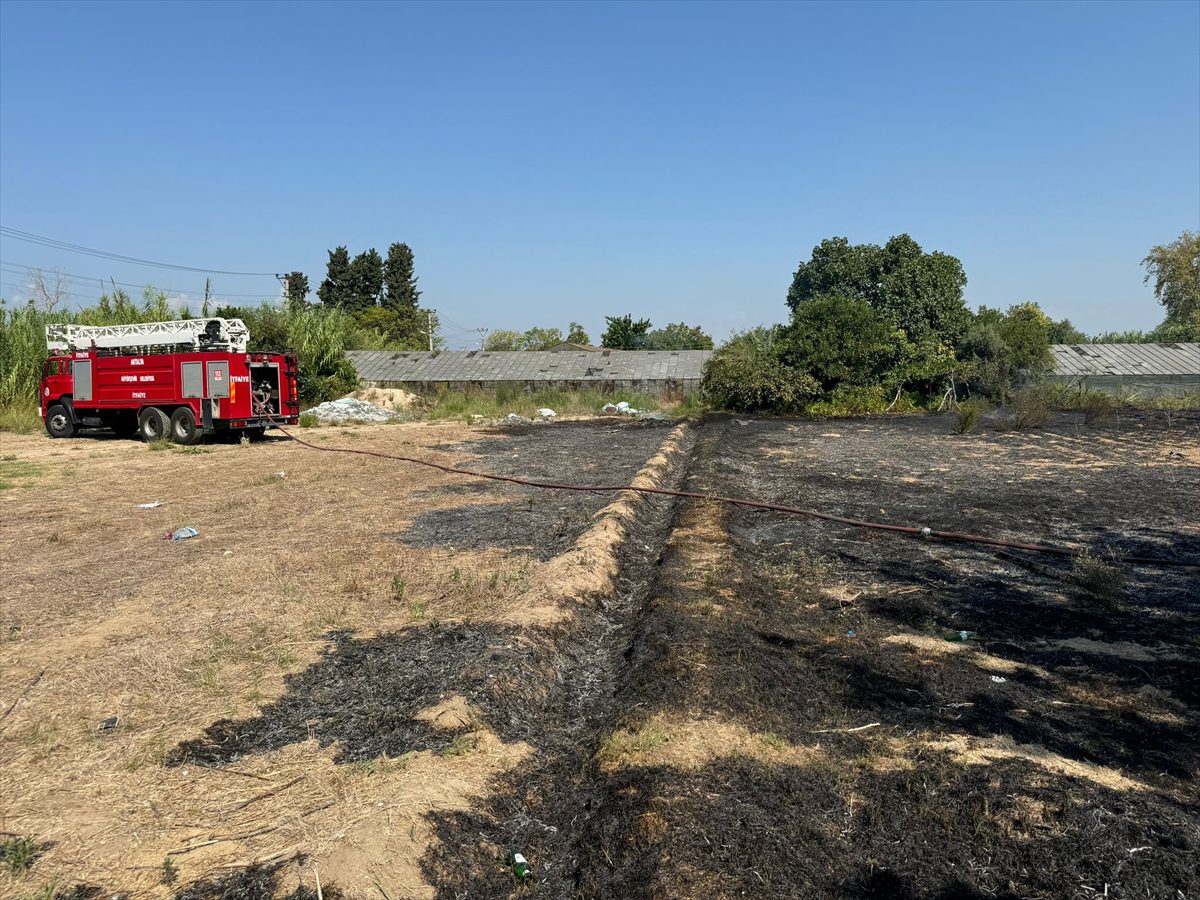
column 153, row 423
column 257, row 434
column 183, row 426
column 59, row 423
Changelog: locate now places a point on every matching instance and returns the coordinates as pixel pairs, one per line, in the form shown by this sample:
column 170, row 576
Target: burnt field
column 647, row 697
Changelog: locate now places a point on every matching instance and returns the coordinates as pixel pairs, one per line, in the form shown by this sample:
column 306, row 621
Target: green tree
column 1063, row 332
column 623, row 333
column 297, row 290
column 1175, row 271
column 365, row 283
column 999, row 348
column 747, row 373
column 399, row 278
column 541, row 338
column 503, row 340
column 576, row 334
column 840, row 340
column 919, row 292
column 335, row 289
column 678, row 336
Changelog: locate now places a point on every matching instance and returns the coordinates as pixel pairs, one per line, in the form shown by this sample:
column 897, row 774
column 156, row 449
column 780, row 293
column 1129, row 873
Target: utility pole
column 429, row 330
column 482, row 336
column 283, row 280
column 207, row 296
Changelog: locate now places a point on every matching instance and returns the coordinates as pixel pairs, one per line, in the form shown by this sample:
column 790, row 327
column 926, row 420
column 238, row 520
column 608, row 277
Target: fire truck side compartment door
column 82, row 387
column 193, row 379
column 218, row 378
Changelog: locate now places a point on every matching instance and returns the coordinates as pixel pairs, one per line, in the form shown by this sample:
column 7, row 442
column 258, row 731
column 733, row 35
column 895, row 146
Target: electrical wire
column 43, row 241
column 909, row 530
column 12, row 267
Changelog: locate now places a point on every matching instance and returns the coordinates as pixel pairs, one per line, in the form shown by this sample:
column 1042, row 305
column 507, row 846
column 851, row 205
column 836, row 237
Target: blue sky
column 550, row 162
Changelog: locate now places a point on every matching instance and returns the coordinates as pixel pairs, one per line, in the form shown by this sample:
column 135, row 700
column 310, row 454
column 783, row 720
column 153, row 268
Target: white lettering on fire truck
column 129, row 378
column 145, row 378
column 135, row 361
column 243, row 379
column 139, row 395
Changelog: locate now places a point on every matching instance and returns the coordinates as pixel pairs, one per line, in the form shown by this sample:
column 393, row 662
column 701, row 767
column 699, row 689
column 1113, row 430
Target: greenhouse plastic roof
column 1126, row 359
column 529, row 365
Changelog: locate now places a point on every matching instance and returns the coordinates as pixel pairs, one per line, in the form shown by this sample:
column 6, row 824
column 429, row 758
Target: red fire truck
column 182, row 379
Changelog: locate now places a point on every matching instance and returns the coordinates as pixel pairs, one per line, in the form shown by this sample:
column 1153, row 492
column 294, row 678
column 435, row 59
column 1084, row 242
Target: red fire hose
column 912, row 530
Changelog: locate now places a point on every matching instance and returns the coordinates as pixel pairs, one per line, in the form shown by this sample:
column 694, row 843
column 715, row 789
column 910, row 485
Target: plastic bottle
column 520, row 867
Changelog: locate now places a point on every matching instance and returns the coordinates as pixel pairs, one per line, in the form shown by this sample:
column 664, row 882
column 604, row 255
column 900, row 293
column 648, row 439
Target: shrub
column 969, row 415
column 309, row 420
column 1030, row 409
column 1097, row 406
column 1098, row 581
column 851, row 400
column 746, row 373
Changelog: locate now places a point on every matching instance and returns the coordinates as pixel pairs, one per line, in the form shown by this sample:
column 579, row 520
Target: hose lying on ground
column 911, row 530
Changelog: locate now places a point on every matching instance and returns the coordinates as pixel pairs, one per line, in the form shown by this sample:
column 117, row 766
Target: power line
column 43, row 241
column 9, row 267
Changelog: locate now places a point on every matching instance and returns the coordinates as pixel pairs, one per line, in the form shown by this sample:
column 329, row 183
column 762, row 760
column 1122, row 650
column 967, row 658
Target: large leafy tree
column 623, row 333
column 918, row 292
column 576, row 334
column 839, row 340
column 503, row 339
column 335, row 289
column 541, row 338
column 1175, row 270
column 365, row 281
column 679, row 336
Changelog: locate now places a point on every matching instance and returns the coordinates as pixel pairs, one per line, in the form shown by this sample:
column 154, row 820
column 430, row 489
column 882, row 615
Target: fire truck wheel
column 257, row 434
column 183, row 426
column 58, row 422
column 153, row 423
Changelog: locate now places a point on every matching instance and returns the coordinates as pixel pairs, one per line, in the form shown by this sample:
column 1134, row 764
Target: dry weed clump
column 969, row 415
column 1097, row 406
column 1030, row 409
column 1098, row 581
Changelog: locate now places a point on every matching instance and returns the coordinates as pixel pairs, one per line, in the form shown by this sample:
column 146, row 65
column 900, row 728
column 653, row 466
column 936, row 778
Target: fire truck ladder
column 228, row 335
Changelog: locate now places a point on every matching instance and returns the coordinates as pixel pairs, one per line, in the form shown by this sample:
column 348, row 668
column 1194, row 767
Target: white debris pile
column 623, row 408
column 351, row 409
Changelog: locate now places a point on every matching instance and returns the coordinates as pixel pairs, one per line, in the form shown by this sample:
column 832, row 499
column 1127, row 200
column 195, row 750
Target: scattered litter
column 960, row 637
column 520, row 867
column 653, row 416
column 999, row 679
column 155, row 505
column 743, row 422
column 547, row 413
column 227, row 553
column 514, row 419
column 109, row 724
column 351, row 409
column 623, row 406
column 608, row 408
column 851, row 633
column 279, row 475
column 182, row 534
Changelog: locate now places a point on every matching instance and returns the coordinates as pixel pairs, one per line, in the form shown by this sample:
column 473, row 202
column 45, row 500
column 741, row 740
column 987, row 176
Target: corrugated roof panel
column 1129, row 360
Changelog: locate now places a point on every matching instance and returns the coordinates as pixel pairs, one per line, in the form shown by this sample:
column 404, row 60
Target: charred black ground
column 793, row 631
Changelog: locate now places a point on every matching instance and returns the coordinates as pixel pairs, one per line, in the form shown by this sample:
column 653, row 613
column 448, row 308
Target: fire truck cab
column 181, row 379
